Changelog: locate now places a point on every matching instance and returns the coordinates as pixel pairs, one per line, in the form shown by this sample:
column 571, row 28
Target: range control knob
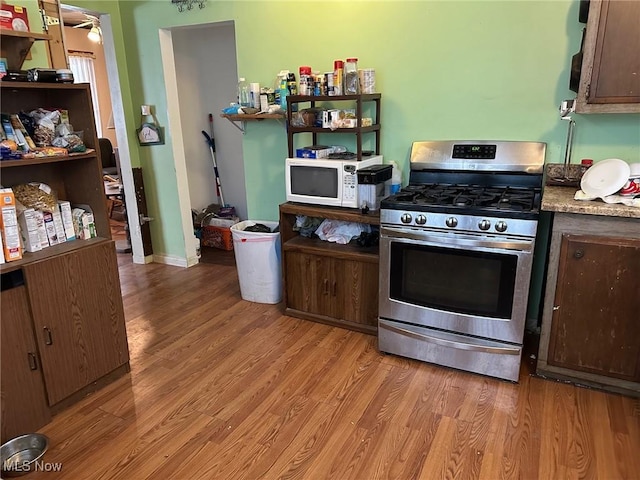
column 405, row 218
column 421, row 220
column 451, row 222
column 484, row 224
column 501, row 226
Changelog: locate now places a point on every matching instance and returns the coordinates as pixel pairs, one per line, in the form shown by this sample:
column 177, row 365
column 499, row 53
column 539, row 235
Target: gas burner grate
column 501, row 198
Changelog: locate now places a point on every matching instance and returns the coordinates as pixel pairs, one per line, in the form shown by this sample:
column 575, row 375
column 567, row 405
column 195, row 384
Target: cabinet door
column 309, row 283
column 78, row 317
column 24, row 402
column 609, row 80
column 595, row 325
column 355, row 287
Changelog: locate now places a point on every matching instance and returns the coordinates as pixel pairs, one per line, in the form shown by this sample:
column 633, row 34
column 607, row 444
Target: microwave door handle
column 449, row 240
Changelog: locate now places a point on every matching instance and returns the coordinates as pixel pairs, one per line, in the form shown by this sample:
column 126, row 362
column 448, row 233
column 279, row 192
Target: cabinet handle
column 48, row 339
column 556, row 308
column 325, row 287
column 334, row 288
column 33, row 362
column 578, row 253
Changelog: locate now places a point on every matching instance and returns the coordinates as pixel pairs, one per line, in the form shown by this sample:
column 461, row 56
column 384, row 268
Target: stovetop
column 508, row 202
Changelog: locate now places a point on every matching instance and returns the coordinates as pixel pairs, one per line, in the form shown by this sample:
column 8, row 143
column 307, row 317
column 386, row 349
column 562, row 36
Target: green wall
column 446, row 70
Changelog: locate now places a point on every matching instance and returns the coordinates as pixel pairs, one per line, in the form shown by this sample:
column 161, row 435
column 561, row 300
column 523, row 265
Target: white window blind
column 83, row 72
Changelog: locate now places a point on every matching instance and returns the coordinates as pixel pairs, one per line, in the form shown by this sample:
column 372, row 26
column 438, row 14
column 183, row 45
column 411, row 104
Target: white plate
column 605, row 177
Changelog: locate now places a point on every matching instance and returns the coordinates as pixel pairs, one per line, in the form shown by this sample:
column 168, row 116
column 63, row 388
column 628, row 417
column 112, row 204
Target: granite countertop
column 560, row 199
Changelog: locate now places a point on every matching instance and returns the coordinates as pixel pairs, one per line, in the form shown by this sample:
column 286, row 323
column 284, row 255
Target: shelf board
column 331, row 249
column 244, row 117
column 90, row 153
column 336, row 213
column 42, row 85
column 353, row 131
column 15, row 33
column 60, row 249
column 329, row 98
column 236, row 118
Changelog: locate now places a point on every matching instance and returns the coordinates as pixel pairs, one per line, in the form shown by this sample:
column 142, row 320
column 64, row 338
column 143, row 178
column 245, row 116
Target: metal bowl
column 19, row 455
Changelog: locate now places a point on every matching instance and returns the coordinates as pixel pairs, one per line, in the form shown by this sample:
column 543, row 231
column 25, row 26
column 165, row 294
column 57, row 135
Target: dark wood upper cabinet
column 610, row 74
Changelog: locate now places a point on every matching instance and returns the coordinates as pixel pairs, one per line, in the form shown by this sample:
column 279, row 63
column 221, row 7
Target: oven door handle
column 443, row 342
column 447, row 240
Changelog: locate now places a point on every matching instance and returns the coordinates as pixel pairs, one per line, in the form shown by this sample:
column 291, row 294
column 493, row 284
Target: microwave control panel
column 350, row 183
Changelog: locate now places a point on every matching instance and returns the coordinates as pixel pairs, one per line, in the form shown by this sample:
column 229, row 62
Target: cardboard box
column 67, row 219
column 314, row 151
column 57, row 222
column 42, row 231
column 12, row 246
column 50, row 227
column 14, row 17
column 1, row 251
column 28, row 221
column 217, row 233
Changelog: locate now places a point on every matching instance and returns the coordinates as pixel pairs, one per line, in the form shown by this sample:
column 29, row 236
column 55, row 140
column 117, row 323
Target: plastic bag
column 339, row 231
column 72, row 141
column 36, row 195
column 45, row 129
column 306, row 226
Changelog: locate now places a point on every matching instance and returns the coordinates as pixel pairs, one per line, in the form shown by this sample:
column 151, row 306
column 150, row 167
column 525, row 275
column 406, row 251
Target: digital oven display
column 474, row 151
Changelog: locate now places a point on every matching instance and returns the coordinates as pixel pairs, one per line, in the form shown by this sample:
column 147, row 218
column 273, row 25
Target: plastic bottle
column 243, row 92
column 351, row 78
column 306, row 81
column 279, row 86
column 292, row 89
column 338, row 87
column 394, row 184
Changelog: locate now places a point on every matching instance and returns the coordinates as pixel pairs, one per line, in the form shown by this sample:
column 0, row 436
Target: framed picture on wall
column 150, row 134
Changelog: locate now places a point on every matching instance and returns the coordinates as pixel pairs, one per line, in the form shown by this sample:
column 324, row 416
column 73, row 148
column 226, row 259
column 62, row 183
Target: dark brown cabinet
column 590, row 330
column 67, row 320
column 609, row 79
column 328, row 282
column 23, row 401
column 337, row 289
column 77, row 318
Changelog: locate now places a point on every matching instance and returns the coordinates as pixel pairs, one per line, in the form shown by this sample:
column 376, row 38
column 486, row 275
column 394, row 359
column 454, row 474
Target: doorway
column 200, row 72
column 112, row 116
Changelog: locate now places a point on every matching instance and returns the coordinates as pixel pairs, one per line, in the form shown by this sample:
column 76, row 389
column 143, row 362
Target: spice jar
column 351, row 79
column 338, row 66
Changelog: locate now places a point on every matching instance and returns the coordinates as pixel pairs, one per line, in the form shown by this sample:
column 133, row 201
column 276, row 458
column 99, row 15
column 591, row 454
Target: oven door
column 463, row 283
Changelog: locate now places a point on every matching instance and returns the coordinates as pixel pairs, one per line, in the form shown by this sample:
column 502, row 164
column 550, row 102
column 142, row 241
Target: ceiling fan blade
column 80, row 25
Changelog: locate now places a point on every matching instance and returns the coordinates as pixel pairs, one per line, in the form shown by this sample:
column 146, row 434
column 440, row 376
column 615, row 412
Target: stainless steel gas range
column 456, row 250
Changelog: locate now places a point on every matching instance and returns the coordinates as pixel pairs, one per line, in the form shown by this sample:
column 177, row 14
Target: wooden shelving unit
column 15, row 46
column 358, row 101
column 66, row 305
column 328, row 282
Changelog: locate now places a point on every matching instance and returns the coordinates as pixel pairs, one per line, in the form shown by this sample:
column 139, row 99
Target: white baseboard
column 175, row 261
column 170, row 260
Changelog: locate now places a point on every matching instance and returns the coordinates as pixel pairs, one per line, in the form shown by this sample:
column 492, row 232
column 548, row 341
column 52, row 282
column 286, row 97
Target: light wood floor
column 221, row 388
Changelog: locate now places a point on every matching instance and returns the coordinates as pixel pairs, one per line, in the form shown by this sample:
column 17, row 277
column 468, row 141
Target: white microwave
column 323, row 181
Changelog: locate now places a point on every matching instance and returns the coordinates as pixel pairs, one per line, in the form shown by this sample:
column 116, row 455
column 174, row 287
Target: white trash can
column 258, row 262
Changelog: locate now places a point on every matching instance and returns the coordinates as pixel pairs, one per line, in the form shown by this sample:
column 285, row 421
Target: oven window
column 314, row 181
column 474, row 283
